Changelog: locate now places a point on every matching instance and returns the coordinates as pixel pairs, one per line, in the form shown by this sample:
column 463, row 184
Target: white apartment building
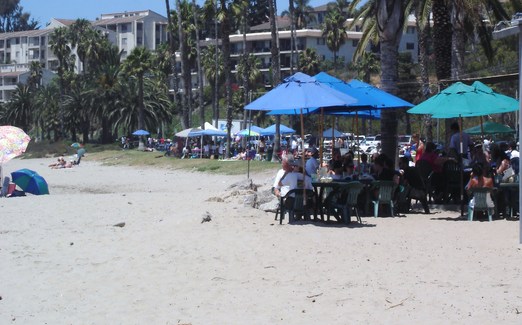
column 127, row 30
column 147, row 28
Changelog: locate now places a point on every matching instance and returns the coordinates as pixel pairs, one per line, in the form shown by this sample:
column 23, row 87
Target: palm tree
column 35, row 75
column 276, row 71
column 390, row 21
column 186, row 107
column 200, row 69
column 366, row 65
column 224, row 17
column 19, row 108
column 303, row 13
column 60, row 46
column 137, row 64
column 46, row 111
column 213, row 70
column 172, row 47
column 77, row 34
column 309, row 62
column 240, row 10
column 335, row 32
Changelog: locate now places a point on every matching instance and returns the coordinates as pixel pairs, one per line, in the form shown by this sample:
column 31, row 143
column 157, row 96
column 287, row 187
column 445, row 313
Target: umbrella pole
column 248, row 149
column 461, row 170
column 482, row 131
column 321, row 138
column 357, row 137
column 303, row 158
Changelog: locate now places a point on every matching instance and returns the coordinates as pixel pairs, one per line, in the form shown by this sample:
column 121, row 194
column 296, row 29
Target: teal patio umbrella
column 461, row 100
column 489, row 128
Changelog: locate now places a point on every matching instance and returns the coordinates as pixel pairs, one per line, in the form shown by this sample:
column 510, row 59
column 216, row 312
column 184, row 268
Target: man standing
column 312, row 164
column 455, row 141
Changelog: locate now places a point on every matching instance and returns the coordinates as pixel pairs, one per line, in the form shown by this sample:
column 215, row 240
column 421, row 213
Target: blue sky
column 44, row 10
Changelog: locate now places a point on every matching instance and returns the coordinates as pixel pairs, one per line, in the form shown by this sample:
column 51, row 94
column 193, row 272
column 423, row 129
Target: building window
column 17, row 55
column 410, row 46
column 321, row 41
column 17, row 40
column 358, row 28
column 139, row 40
column 410, row 30
column 124, row 28
column 355, row 42
column 124, row 41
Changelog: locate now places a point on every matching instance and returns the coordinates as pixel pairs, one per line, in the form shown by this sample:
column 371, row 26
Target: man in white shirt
column 286, row 167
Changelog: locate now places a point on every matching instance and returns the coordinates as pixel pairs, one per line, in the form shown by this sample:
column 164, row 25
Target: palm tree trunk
column 225, row 43
column 185, row 119
column 390, row 18
column 200, row 70
column 172, row 49
column 276, row 72
column 423, row 33
column 141, row 117
column 442, row 39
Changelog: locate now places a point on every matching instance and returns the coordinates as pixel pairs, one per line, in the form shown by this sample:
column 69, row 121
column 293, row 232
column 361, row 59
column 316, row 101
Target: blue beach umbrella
column 140, row 132
column 30, row 181
column 271, row 130
column 300, row 91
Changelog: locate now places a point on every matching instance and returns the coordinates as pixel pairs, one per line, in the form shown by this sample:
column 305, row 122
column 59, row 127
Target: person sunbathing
column 60, row 163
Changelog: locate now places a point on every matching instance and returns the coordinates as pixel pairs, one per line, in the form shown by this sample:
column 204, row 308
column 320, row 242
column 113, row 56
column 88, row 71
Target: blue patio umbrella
column 271, row 130
column 209, row 132
column 249, row 133
column 30, row 181
column 300, row 91
column 140, row 132
column 382, row 98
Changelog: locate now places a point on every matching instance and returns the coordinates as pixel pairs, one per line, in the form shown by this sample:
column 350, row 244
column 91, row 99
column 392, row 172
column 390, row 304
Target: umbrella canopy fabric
column 271, row 130
column 382, row 98
column 463, row 100
column 367, row 95
column 249, row 133
column 328, row 133
column 300, row 91
column 490, row 128
column 187, row 133
column 13, row 142
column 209, row 132
column 141, row 132
column 30, row 181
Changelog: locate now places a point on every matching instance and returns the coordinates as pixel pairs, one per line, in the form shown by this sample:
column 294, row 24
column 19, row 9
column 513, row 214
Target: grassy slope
column 113, row 155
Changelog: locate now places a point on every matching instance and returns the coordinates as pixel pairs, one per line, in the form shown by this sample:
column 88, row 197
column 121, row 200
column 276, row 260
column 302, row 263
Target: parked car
column 404, row 141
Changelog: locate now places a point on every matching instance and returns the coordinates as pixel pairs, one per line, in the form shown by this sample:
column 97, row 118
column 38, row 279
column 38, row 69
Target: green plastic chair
column 480, row 195
column 345, row 201
column 298, row 206
column 385, row 196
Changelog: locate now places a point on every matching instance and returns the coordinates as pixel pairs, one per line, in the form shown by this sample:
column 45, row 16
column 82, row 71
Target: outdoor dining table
column 319, row 190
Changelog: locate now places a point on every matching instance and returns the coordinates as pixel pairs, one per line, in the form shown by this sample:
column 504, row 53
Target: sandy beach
column 63, row 260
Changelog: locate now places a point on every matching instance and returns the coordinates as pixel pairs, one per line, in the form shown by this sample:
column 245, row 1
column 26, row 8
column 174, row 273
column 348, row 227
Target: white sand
column 63, row 262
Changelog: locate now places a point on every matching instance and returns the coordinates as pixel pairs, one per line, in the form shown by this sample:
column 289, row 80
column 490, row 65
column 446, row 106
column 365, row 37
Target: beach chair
column 385, row 196
column 300, row 203
column 343, row 200
column 426, row 173
column 480, row 197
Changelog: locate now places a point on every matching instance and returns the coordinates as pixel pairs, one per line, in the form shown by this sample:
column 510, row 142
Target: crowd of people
column 484, row 164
